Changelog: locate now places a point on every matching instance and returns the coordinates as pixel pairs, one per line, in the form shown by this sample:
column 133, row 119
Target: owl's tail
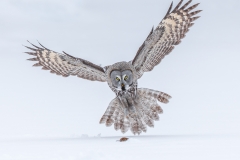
column 145, row 111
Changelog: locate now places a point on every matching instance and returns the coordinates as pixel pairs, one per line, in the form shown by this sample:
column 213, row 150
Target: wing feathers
column 191, row 8
column 31, row 48
column 32, row 59
column 178, row 5
column 43, row 46
column 169, row 9
column 37, row 65
column 168, row 33
column 31, row 53
column 194, row 18
column 34, row 45
column 45, row 68
column 65, row 64
column 185, row 5
column 194, row 13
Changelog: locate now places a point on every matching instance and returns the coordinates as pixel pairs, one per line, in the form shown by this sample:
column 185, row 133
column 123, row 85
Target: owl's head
column 122, row 80
column 121, row 76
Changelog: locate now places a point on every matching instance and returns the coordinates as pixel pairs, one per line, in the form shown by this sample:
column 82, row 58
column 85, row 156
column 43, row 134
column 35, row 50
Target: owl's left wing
column 65, row 64
column 162, row 40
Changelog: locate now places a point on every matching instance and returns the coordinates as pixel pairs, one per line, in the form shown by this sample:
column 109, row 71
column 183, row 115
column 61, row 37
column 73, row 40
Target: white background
column 201, row 74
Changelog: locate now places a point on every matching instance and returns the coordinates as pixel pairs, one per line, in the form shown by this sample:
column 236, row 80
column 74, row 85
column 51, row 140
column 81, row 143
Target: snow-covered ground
column 164, row 147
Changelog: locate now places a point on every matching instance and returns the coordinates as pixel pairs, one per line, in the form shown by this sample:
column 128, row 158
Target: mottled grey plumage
column 133, row 108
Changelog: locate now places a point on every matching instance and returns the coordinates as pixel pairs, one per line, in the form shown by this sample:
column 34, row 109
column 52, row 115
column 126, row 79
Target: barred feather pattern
column 65, row 64
column 115, row 115
column 161, row 41
column 146, row 110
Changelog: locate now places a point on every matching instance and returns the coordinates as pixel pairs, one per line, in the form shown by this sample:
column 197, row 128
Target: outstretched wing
column 161, row 41
column 65, row 64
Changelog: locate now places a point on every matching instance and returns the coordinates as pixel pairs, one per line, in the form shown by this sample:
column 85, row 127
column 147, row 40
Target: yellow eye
column 118, row 79
column 125, row 78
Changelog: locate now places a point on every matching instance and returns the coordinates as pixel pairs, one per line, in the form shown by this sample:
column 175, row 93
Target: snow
column 165, row 147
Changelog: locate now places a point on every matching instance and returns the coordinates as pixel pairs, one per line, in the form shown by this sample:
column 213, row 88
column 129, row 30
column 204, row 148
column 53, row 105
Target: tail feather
column 148, row 121
column 109, row 122
column 125, row 126
column 145, row 111
column 136, row 126
column 155, row 116
column 144, row 127
column 117, row 123
column 152, row 94
column 157, row 109
column 163, row 99
column 108, row 116
column 120, row 121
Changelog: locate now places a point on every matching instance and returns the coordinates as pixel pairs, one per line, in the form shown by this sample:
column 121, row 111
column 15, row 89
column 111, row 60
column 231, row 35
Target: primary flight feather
column 133, row 108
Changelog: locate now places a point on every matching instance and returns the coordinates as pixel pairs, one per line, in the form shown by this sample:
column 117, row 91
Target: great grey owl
column 133, row 108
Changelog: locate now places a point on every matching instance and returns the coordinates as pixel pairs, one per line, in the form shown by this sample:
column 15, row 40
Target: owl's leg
column 124, row 105
column 131, row 104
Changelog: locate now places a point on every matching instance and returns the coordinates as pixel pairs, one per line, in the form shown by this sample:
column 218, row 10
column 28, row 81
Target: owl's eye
column 125, row 78
column 118, row 79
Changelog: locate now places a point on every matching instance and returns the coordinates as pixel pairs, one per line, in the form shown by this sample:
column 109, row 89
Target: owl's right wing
column 65, row 64
column 162, row 40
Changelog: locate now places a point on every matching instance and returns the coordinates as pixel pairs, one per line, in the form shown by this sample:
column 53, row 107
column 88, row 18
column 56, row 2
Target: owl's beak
column 123, row 87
